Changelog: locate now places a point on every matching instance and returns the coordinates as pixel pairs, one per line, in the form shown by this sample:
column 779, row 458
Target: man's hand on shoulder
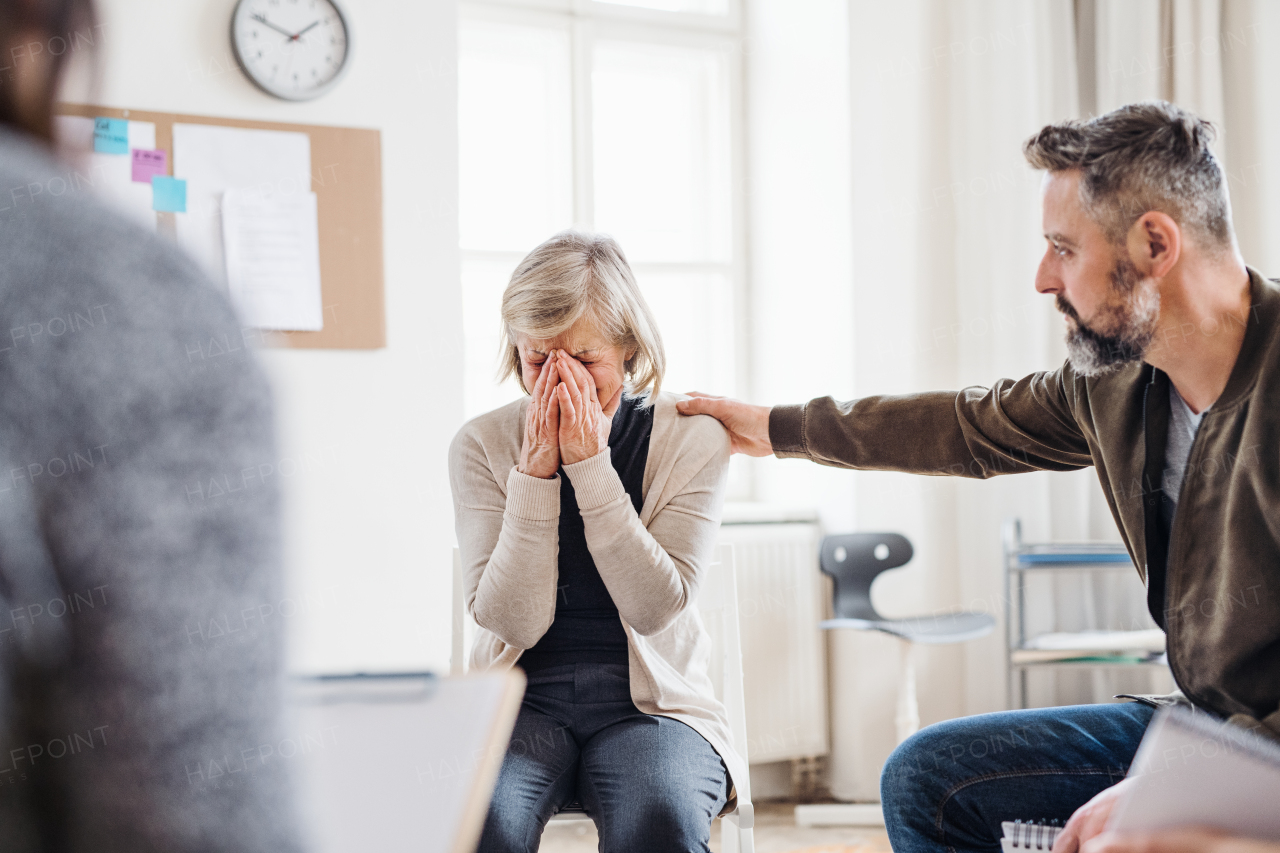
column 748, row 425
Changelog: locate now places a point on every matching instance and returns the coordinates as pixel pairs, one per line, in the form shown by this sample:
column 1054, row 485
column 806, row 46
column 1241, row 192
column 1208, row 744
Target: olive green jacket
column 1221, row 564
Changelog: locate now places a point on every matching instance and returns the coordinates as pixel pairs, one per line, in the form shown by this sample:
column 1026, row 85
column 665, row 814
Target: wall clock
column 292, row 49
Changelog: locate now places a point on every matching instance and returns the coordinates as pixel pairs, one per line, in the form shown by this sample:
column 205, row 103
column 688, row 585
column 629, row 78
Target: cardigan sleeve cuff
column 595, row 482
column 786, row 431
column 533, row 498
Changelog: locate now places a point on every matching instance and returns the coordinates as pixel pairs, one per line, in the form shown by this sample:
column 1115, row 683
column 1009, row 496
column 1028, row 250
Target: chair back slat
column 718, row 606
column 853, row 561
column 463, row 627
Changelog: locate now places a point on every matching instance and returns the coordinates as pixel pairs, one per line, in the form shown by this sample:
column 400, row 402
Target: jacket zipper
column 1173, row 538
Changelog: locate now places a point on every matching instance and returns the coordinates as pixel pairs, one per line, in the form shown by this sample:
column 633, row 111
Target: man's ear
column 1154, row 243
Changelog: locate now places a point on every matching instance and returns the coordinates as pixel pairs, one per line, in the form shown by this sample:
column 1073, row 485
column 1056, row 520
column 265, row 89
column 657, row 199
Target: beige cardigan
column 508, row 522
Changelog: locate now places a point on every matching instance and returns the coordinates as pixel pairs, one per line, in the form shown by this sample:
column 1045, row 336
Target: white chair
column 718, row 605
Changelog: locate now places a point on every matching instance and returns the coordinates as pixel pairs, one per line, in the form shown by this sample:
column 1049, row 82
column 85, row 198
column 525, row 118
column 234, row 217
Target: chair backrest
column 718, row 606
column 463, row 625
column 853, row 560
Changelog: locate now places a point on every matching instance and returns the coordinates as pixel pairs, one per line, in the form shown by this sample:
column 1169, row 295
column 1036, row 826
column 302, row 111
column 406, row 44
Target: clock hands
column 262, row 19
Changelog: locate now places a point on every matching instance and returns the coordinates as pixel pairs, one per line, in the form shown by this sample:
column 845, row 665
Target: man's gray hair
column 577, row 275
column 1138, row 158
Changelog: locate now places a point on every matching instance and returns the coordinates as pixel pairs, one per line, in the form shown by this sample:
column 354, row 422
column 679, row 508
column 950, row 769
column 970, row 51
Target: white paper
column 213, row 160
column 1148, row 639
column 1198, row 771
column 111, row 175
column 272, row 244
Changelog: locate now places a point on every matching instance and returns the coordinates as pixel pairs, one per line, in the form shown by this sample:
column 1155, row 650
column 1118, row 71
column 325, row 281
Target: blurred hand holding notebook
column 1193, row 770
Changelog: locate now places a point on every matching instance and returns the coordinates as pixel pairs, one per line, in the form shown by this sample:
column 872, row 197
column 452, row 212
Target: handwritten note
column 168, row 194
column 148, row 163
column 273, row 258
column 110, row 136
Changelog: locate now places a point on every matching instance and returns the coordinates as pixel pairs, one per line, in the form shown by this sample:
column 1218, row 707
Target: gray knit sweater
column 140, row 588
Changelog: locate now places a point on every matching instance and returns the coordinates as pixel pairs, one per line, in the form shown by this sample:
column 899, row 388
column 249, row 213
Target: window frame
column 587, row 21
column 730, row 22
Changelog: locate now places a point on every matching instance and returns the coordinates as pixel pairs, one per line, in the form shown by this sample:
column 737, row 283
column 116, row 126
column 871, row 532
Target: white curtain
column 946, row 239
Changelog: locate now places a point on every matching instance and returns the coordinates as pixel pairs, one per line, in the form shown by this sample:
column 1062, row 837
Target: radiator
column 781, row 598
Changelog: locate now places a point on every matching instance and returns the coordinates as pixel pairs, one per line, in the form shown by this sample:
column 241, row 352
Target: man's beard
column 1121, row 331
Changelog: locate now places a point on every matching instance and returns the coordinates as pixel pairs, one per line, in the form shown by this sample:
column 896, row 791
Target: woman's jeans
column 649, row 783
column 948, row 787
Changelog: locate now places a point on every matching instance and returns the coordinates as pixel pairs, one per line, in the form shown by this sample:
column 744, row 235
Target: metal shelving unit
column 1022, row 559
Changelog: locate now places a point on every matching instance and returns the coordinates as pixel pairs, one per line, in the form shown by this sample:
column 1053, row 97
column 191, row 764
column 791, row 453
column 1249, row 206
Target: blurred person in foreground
column 139, row 547
column 587, row 514
column 1172, row 393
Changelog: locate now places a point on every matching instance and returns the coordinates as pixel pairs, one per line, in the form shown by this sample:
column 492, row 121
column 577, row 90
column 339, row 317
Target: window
column 619, row 117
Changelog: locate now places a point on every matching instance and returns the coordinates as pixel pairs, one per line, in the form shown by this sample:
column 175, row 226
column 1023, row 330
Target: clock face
column 293, row 49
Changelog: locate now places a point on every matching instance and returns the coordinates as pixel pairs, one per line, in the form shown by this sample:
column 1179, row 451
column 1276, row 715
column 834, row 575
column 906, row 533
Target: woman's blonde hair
column 572, row 276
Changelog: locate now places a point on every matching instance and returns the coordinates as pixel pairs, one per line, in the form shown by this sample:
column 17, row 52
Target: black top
column 587, row 628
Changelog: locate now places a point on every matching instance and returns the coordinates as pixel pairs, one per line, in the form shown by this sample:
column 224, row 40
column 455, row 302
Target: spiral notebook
column 1019, row 835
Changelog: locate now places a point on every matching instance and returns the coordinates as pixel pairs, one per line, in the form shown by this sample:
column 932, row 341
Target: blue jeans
column 950, row 785
column 649, row 783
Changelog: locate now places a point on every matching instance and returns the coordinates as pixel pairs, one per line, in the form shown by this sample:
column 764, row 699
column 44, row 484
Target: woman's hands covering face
column 584, row 427
column 540, row 452
column 565, row 421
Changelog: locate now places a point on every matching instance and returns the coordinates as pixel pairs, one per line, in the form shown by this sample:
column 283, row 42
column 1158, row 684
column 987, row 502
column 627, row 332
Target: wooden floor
column 775, row 832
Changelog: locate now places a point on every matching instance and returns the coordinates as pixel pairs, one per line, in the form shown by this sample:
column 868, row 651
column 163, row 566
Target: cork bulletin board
column 346, row 176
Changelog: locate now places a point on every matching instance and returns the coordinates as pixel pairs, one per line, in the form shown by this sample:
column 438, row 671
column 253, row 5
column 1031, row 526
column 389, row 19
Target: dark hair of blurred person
column 40, row 37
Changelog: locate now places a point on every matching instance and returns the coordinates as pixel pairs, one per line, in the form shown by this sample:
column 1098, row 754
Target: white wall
column 945, row 223
column 800, row 240
column 369, row 522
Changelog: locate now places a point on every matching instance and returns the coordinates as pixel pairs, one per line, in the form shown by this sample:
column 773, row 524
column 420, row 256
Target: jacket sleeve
column 509, row 540
column 1011, row 427
column 652, row 573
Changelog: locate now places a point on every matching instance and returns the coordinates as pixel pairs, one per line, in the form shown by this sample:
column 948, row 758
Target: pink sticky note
column 147, row 163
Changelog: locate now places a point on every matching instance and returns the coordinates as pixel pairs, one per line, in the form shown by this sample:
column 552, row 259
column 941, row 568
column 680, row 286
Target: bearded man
column 1172, row 393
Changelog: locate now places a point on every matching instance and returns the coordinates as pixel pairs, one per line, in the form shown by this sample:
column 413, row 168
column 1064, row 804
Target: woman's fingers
column 583, row 384
column 573, row 367
column 571, row 387
column 533, row 421
column 551, row 374
column 552, row 418
column 539, row 384
column 569, row 415
column 589, row 384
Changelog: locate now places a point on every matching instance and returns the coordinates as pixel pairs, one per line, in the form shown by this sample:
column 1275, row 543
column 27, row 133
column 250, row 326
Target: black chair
column 854, row 561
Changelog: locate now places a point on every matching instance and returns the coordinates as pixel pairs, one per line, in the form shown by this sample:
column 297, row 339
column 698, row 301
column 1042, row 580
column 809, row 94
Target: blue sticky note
column 111, row 136
column 168, row 194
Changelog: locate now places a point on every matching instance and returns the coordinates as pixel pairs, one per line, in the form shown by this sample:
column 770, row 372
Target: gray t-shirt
column 1183, row 424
